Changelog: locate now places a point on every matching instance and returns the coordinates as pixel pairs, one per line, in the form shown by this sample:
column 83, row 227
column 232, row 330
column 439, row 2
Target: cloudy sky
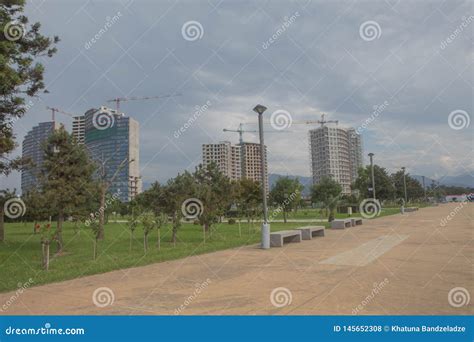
column 412, row 59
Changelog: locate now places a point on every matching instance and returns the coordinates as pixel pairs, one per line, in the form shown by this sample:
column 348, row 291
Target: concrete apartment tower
column 226, row 156
column 236, row 161
column 32, row 148
column 112, row 138
column 336, row 153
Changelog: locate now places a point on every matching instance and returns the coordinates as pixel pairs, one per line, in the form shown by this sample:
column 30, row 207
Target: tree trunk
column 145, row 242
column 2, row 225
column 240, row 230
column 101, row 234
column 59, row 232
column 158, row 244
column 204, row 233
column 45, row 247
column 175, row 229
column 95, row 248
column 131, row 239
column 284, row 215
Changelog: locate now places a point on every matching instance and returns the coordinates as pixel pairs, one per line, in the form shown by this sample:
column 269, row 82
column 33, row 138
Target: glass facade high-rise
column 112, row 140
column 32, row 148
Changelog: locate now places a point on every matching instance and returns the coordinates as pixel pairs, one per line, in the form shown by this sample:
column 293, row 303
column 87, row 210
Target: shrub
column 231, row 221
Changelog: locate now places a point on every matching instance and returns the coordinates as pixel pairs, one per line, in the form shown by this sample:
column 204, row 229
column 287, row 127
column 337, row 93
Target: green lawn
column 20, row 255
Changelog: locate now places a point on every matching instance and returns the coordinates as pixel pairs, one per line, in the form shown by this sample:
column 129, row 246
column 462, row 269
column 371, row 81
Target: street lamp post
column 405, row 184
column 259, row 109
column 371, row 155
column 424, row 188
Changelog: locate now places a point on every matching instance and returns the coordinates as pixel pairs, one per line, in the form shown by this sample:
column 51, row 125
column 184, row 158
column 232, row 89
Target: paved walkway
column 392, row 265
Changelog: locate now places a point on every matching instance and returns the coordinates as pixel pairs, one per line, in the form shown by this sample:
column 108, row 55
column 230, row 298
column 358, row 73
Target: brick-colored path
column 411, row 271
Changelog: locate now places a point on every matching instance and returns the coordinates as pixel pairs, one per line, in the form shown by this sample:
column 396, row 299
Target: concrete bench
column 284, row 236
column 356, row 221
column 308, row 232
column 341, row 224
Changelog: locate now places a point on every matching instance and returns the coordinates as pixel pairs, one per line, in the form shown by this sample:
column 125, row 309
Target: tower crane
column 56, row 110
column 241, row 132
column 322, row 122
column 135, row 98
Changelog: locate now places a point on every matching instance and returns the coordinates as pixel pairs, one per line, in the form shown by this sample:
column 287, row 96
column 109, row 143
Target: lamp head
column 259, row 109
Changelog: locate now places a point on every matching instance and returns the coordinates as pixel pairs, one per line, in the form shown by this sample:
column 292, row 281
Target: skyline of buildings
column 335, row 152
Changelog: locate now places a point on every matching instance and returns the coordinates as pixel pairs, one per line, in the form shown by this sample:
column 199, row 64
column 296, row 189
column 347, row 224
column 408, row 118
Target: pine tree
column 20, row 76
column 66, row 179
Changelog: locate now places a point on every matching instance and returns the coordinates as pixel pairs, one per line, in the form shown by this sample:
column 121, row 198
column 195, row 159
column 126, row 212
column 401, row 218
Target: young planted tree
column 161, row 220
column 94, row 225
column 105, row 182
column 148, row 220
column 248, row 199
column 66, row 179
column 47, row 236
column 21, row 46
column 286, row 195
column 132, row 225
column 173, row 195
column 327, row 192
column 212, row 189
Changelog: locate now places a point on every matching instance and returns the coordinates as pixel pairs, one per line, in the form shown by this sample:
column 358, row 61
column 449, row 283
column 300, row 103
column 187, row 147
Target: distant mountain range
column 466, row 180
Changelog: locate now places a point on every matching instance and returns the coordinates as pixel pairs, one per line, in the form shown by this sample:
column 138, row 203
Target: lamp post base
column 265, row 236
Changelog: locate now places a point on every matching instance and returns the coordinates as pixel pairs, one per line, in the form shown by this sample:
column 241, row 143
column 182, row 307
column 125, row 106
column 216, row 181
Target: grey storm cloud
column 305, row 57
